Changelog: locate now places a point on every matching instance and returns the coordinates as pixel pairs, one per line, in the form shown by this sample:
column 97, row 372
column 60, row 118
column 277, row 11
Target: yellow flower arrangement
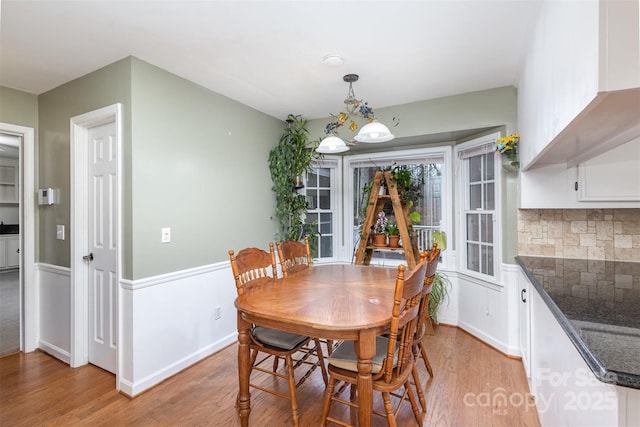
column 508, row 143
column 508, row 146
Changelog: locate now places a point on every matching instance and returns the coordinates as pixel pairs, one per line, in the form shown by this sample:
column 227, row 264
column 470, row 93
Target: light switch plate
column 60, row 232
column 166, row 235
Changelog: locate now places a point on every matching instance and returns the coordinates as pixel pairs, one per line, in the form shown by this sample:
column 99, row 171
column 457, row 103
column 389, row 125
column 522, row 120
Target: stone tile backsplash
column 597, row 234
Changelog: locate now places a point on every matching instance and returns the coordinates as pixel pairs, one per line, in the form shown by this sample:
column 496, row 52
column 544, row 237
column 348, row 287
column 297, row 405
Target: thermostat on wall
column 46, row 196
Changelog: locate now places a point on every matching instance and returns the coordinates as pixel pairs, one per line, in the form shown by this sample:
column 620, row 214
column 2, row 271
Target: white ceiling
column 269, row 54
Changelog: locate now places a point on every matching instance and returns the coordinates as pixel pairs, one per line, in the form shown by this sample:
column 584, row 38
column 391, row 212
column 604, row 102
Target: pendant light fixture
column 372, row 132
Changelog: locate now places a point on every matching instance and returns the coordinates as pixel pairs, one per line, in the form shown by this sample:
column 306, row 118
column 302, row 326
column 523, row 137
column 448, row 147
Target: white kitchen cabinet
column 3, row 252
column 9, row 251
column 612, row 176
column 9, row 191
column 579, row 93
column 13, row 251
column 524, row 314
column 610, row 180
column 566, row 391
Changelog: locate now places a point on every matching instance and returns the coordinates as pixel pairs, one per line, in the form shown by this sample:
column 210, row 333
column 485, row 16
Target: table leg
column 244, row 360
column 365, row 349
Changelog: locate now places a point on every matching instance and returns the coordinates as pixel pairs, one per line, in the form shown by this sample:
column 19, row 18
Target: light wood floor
column 474, row 385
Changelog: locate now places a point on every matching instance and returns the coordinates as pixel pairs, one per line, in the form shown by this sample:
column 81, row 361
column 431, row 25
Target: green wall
column 200, row 167
column 106, row 86
column 194, row 161
column 18, row 108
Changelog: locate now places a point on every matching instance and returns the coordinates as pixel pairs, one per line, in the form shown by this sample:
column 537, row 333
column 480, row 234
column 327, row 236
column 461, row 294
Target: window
column 321, row 208
column 479, row 208
column 427, row 169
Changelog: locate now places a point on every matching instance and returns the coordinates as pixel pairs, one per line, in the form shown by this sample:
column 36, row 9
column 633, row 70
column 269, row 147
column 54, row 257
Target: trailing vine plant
column 290, row 158
column 409, row 189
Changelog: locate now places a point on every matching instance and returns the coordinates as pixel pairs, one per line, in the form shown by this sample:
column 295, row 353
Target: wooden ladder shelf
column 401, row 213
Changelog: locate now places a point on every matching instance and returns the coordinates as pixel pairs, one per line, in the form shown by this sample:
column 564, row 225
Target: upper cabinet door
column 9, row 191
column 579, row 91
column 611, row 177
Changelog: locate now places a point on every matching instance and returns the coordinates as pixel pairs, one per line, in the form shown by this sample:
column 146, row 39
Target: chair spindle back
column 253, row 267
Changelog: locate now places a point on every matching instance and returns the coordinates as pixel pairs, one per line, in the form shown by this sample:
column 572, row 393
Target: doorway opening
column 10, row 287
column 17, row 232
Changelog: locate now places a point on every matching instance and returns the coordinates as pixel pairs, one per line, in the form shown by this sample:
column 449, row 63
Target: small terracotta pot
column 394, row 240
column 380, row 239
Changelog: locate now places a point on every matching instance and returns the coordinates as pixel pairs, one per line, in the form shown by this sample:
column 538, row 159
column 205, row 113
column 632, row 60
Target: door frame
column 29, row 310
column 80, row 126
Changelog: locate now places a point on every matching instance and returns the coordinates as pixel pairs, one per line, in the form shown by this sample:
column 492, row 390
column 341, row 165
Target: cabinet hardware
column 523, row 295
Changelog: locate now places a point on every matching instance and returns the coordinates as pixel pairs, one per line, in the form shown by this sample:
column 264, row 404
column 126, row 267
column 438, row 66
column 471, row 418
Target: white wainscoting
column 168, row 323
column 54, row 301
column 489, row 311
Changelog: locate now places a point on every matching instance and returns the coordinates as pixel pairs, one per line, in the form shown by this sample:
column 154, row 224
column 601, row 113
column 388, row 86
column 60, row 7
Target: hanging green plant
column 288, row 162
column 409, row 190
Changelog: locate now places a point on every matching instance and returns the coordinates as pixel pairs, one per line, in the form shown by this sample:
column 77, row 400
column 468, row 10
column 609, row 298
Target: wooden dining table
column 336, row 302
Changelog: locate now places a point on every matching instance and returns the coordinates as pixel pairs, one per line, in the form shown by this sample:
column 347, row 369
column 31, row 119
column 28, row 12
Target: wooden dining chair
column 431, row 257
column 394, row 361
column 296, row 256
column 253, row 267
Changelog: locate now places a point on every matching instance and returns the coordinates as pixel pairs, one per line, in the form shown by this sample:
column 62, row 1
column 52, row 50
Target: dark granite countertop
column 597, row 303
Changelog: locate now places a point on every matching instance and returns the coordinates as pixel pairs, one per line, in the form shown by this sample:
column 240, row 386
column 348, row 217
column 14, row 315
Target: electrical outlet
column 217, row 310
column 166, row 235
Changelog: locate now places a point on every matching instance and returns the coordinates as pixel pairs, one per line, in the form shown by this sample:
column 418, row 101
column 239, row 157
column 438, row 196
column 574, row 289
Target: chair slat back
column 294, row 256
column 253, row 267
column 406, row 301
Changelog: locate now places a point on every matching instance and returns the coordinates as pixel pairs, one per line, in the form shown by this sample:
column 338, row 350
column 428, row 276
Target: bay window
column 429, row 171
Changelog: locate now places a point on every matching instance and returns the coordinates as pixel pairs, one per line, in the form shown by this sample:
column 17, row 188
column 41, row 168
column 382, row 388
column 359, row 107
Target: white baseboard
column 156, row 378
column 489, row 340
column 55, row 351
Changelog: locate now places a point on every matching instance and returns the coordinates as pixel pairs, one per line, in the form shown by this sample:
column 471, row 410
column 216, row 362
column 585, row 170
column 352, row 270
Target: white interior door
column 102, row 234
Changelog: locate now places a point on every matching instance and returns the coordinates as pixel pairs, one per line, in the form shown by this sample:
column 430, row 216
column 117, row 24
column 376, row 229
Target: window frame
column 334, row 164
column 464, row 151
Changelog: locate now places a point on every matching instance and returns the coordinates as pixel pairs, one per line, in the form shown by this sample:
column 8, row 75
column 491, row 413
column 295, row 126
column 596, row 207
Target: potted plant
column 508, row 147
column 288, row 162
column 408, row 190
column 441, row 284
column 394, row 235
column 439, row 292
column 380, row 230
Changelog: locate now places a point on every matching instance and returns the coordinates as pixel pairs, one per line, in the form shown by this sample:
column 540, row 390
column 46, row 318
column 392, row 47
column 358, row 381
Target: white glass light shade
column 374, row 132
column 331, row 145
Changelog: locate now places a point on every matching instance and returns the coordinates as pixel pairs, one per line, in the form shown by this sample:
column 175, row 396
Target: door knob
column 88, row 257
